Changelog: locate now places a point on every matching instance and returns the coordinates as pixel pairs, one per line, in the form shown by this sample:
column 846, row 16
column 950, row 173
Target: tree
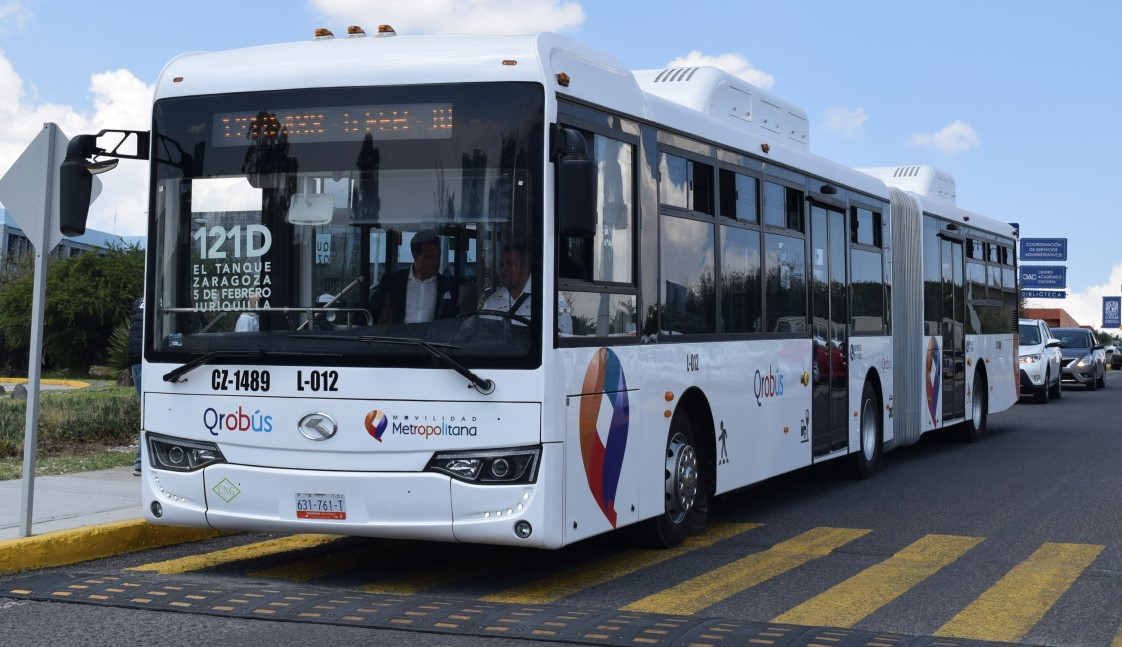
column 87, row 297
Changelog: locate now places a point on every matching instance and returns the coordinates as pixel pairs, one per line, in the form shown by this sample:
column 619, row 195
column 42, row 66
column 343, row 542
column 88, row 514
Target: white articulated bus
column 504, row 290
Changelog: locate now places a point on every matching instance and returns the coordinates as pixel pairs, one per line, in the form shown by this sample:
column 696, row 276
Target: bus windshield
column 350, row 223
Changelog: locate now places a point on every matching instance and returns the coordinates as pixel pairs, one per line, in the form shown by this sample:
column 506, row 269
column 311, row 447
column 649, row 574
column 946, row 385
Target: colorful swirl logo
column 603, row 462
column 376, row 423
column 933, row 377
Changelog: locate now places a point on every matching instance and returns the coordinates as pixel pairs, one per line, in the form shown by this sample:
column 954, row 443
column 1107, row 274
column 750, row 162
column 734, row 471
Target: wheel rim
column 869, row 430
column 681, row 478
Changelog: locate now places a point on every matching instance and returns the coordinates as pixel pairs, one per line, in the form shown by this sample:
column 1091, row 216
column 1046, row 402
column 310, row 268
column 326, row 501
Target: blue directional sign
column 1043, row 249
column 1049, row 277
column 1112, row 312
column 1044, row 294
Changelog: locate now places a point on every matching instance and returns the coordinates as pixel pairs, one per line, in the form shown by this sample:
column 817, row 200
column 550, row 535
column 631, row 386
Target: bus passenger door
column 954, row 349
column 830, row 343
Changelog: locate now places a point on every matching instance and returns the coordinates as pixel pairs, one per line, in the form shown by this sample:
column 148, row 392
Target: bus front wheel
column 682, row 488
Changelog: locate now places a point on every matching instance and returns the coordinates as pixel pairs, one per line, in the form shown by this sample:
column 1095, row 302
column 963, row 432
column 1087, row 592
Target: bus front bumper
column 424, row 506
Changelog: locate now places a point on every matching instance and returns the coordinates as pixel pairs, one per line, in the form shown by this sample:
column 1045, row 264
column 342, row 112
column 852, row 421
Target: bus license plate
column 311, row 505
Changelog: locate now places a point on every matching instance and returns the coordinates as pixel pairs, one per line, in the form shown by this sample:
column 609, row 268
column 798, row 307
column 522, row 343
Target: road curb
column 65, row 547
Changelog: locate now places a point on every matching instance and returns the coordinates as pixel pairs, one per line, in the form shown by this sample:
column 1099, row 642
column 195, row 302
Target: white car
column 1040, row 360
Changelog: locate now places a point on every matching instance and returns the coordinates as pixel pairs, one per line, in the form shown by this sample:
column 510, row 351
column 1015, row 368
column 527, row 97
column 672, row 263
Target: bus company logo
column 933, row 377
column 239, row 420
column 767, row 385
column 603, row 462
column 376, row 423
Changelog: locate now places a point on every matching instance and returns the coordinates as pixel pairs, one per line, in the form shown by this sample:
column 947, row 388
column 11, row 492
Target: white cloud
column 119, row 100
column 954, row 138
column 14, row 14
column 1086, row 307
column 456, row 16
column 848, row 122
column 734, row 64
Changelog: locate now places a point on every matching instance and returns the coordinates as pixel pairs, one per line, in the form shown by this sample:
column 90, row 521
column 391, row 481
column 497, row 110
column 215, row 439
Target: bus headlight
column 490, row 467
column 181, row 455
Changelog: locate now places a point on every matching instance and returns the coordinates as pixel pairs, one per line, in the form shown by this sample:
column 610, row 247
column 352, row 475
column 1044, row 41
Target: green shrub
column 118, row 351
column 108, row 416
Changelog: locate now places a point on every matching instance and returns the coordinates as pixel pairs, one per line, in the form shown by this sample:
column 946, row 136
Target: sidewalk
column 78, row 517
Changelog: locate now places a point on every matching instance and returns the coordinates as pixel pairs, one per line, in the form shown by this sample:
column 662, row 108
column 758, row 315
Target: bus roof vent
column 731, row 99
column 927, row 181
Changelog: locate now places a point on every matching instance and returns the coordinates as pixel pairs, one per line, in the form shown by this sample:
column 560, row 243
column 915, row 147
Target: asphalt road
column 1015, row 538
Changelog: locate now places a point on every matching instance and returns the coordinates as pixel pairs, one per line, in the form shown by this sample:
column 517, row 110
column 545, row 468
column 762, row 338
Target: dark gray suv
column 1084, row 361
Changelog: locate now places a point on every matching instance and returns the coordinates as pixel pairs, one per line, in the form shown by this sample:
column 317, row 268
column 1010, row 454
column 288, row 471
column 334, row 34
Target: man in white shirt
column 418, row 293
column 247, row 321
column 513, row 294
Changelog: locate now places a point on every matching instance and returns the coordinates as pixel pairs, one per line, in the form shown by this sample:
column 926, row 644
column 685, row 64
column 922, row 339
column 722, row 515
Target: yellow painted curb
column 23, row 380
column 91, row 542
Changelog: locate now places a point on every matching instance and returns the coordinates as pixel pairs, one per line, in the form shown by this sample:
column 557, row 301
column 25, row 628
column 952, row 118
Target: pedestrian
column 135, row 357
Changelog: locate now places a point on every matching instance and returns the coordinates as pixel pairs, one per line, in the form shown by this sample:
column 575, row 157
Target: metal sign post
column 30, row 191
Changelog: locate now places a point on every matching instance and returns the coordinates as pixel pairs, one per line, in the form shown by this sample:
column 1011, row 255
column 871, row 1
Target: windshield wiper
column 483, row 385
column 176, row 374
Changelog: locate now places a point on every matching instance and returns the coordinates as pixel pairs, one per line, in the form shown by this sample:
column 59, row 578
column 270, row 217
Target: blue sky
column 1017, row 100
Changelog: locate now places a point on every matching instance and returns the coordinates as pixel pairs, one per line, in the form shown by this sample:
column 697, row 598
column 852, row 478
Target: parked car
column 1084, row 361
column 1114, row 355
column 1040, row 360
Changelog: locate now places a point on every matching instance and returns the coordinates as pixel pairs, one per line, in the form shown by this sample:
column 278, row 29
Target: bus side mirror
column 576, row 185
column 76, row 183
column 77, row 170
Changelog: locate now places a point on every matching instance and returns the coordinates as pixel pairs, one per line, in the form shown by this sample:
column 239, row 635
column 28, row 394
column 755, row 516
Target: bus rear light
column 180, row 455
column 324, row 34
column 492, row 467
column 386, row 30
column 354, row 31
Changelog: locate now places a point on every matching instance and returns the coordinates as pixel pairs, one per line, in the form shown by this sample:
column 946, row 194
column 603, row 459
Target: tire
column 1093, row 383
column 686, row 501
column 862, row 464
column 1102, row 379
column 1041, row 394
column 1057, row 391
column 975, row 425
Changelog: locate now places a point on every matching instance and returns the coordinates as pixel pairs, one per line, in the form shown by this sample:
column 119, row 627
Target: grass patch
column 77, row 458
column 75, row 428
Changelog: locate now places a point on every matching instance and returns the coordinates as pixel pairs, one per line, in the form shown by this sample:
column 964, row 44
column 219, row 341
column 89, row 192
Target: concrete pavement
column 79, row 517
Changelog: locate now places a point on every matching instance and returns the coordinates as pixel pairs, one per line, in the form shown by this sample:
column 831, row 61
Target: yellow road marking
column 249, row 551
column 705, row 590
column 852, row 600
column 1017, row 601
column 554, row 587
column 1117, row 642
column 338, row 562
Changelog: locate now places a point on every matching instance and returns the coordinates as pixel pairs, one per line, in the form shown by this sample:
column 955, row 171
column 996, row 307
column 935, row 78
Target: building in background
column 1054, row 317
column 14, row 243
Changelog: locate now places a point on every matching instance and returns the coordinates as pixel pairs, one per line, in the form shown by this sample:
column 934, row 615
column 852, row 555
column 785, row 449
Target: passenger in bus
column 513, row 294
column 418, row 293
column 247, row 321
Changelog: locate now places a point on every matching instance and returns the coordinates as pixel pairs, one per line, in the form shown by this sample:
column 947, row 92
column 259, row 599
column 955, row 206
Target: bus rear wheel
column 682, row 489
